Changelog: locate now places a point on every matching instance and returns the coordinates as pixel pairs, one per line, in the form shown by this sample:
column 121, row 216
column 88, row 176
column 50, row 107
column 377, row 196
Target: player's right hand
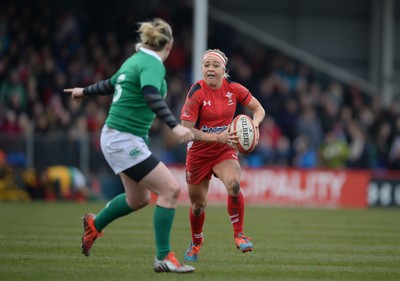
column 184, row 134
column 76, row 93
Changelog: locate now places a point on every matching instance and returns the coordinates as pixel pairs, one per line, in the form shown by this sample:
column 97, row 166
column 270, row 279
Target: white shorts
column 122, row 150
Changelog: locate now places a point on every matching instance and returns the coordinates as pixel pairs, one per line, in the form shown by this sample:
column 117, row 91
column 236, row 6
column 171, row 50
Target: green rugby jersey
column 129, row 111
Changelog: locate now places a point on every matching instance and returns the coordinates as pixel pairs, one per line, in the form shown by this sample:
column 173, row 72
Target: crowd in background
column 312, row 121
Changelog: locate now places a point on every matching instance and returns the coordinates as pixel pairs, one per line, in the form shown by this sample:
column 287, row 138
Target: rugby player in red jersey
column 209, row 110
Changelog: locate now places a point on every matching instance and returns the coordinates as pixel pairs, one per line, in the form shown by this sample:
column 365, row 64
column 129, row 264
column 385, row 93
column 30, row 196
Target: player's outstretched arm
column 102, row 88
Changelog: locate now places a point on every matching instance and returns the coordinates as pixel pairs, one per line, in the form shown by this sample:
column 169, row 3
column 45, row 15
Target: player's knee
column 233, row 187
column 196, row 210
column 142, row 204
column 137, row 205
column 174, row 191
column 169, row 193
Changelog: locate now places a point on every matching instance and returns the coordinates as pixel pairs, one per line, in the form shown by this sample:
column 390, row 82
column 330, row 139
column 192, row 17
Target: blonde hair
column 222, row 54
column 154, row 34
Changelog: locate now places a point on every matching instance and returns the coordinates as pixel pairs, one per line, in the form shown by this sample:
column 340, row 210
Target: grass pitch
column 41, row 241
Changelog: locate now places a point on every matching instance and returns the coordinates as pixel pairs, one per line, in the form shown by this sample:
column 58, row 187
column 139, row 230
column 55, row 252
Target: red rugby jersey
column 213, row 111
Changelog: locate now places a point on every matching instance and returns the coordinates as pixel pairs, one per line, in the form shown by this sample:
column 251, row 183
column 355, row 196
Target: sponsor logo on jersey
column 206, row 102
column 218, row 129
column 185, row 114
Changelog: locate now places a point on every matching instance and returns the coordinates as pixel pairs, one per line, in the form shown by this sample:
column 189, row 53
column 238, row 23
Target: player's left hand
column 229, row 138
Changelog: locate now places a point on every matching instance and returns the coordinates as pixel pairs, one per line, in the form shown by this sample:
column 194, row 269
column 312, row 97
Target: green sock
column 114, row 209
column 163, row 219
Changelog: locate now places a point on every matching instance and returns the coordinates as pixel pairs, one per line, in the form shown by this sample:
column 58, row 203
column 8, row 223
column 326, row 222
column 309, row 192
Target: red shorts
column 199, row 168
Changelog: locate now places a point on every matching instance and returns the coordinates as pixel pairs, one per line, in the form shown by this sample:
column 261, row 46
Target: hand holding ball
column 246, row 133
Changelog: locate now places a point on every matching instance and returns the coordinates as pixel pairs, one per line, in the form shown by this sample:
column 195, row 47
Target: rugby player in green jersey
column 139, row 88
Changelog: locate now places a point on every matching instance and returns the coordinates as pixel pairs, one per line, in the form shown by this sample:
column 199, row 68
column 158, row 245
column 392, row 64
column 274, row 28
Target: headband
column 217, row 56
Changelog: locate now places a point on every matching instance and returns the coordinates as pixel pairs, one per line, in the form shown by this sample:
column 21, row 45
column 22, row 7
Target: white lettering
column 312, row 186
column 286, row 186
column 385, row 194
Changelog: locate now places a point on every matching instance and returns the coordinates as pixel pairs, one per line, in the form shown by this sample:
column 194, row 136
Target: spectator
column 308, row 124
column 9, row 191
column 305, row 155
column 333, row 152
column 13, row 93
column 358, row 154
column 382, row 145
column 283, row 155
column 288, row 117
column 65, row 183
column 32, row 184
column 43, row 48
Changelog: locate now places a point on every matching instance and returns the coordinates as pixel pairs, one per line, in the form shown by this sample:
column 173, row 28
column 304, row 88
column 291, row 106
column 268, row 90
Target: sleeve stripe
column 101, row 88
column 159, row 106
column 194, row 89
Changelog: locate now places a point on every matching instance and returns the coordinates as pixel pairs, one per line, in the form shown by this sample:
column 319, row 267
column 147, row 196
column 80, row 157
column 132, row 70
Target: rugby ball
column 246, row 133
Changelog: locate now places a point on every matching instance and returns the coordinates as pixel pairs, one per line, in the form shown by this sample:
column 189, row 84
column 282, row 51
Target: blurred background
column 327, row 73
